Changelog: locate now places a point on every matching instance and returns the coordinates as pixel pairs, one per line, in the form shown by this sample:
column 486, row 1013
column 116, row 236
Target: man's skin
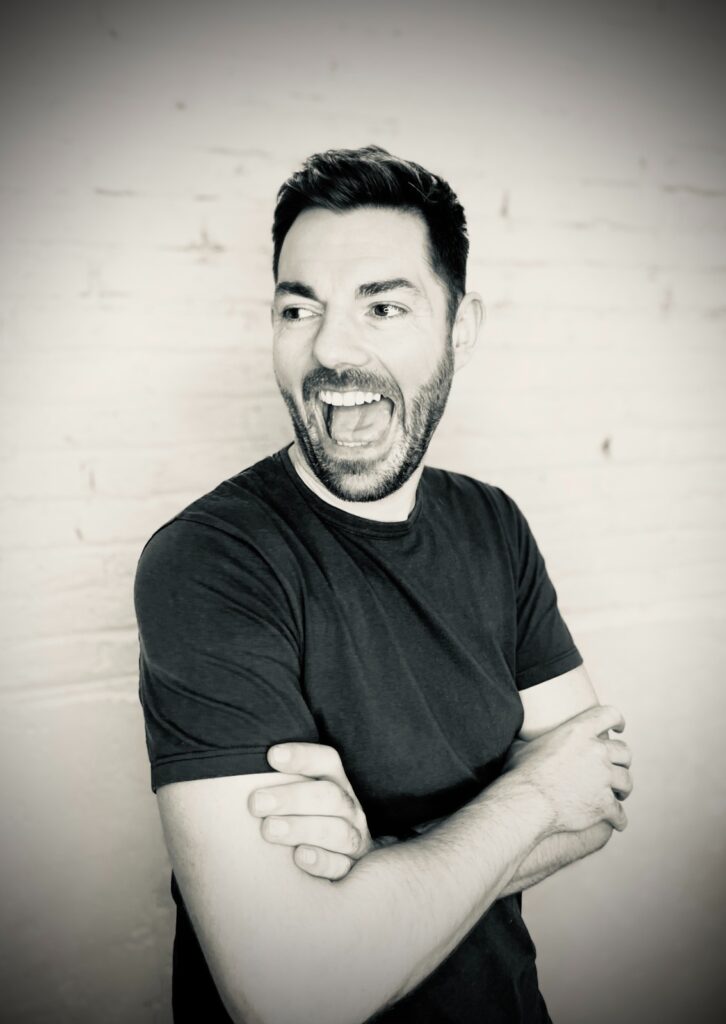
column 326, row 825
column 285, row 946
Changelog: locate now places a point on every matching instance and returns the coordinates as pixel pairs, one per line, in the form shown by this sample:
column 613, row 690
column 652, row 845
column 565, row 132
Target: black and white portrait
column 362, row 512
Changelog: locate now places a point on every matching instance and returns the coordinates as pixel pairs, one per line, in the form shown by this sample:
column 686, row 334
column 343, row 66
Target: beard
column 353, row 479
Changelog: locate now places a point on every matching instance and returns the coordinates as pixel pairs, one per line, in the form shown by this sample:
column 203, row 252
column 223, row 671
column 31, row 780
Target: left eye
column 387, row 310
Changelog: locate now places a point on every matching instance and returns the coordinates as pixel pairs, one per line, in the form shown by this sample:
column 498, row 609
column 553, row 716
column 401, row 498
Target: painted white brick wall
column 143, row 148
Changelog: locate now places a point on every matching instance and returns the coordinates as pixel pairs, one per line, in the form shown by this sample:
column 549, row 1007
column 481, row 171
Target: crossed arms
column 286, row 947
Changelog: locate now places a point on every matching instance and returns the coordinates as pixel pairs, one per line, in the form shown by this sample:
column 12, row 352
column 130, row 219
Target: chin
column 358, row 478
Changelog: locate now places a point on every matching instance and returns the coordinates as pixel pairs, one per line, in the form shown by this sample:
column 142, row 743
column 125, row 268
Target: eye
column 387, row 311
column 296, row 313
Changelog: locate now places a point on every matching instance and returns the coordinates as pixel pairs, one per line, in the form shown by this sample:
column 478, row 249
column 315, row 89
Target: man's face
column 362, row 346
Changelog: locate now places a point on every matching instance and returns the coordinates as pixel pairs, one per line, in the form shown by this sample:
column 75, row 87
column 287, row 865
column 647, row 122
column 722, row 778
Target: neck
column 394, row 508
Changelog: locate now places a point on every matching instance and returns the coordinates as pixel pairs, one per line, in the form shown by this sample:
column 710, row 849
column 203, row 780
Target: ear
column 465, row 331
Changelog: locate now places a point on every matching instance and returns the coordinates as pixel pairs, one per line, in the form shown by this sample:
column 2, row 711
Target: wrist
column 527, row 801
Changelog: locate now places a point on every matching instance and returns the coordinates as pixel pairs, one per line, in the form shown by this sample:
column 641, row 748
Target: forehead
column 367, row 243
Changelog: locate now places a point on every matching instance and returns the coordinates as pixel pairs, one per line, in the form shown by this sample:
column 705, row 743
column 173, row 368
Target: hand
column 320, row 818
column 583, row 775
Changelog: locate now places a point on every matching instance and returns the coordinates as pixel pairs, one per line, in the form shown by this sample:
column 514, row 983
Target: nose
column 337, row 344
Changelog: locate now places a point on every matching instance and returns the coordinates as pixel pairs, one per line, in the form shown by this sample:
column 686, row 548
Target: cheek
column 288, row 360
column 413, row 365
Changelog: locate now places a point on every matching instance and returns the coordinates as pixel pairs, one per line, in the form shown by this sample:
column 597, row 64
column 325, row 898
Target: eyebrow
column 363, row 291
column 296, row 288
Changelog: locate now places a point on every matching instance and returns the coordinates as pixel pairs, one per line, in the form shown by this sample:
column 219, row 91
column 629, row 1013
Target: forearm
column 549, row 855
column 372, row 937
column 556, row 852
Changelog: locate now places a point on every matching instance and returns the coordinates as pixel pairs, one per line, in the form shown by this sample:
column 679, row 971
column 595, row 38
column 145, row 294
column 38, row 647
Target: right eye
column 296, row 313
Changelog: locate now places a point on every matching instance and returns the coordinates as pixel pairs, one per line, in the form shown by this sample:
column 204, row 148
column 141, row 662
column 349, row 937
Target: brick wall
column 143, row 145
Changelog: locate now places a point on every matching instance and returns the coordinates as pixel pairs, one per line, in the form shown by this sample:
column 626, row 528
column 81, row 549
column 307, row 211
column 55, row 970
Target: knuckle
column 610, row 711
column 360, row 821
column 337, row 867
column 606, row 835
column 582, row 728
column 355, row 839
column 334, row 756
column 348, row 802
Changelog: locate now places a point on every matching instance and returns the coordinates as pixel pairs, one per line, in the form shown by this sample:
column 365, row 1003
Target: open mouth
column 355, row 419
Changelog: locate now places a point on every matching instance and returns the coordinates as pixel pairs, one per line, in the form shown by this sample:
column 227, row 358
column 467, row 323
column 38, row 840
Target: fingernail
column 277, row 827
column 306, row 855
column 280, row 754
column 264, row 803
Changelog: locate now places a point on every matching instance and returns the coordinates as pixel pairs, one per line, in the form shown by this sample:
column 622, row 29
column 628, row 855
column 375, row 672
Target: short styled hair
column 344, row 179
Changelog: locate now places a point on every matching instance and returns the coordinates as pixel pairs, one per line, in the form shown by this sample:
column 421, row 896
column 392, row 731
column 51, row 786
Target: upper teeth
column 348, row 397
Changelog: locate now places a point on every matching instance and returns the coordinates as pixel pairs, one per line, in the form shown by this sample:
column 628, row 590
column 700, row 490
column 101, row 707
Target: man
column 385, row 638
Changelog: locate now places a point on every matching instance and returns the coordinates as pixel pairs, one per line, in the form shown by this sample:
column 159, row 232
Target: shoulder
column 238, row 527
column 477, row 513
column 471, row 495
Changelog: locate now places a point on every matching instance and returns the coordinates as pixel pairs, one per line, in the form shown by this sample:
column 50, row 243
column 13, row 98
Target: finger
column 333, row 834
column 317, row 796
column 314, row 760
column 602, row 717
column 619, row 752
column 322, row 863
column 617, row 817
column 621, row 782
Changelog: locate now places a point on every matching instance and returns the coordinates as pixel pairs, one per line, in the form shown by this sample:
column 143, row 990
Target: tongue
column 360, row 423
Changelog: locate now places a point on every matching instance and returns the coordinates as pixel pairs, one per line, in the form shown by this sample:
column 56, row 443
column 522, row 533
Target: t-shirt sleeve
column 219, row 656
column 545, row 647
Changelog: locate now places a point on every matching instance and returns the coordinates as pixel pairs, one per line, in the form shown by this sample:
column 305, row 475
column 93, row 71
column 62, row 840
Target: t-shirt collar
column 347, row 520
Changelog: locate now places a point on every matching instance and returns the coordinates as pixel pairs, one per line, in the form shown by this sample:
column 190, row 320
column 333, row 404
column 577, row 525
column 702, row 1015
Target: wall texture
column 142, row 148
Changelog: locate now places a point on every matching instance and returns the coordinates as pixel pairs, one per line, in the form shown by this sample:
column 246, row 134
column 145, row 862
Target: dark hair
column 343, row 179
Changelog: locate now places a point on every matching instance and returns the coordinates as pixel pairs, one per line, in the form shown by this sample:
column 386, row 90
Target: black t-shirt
column 266, row 615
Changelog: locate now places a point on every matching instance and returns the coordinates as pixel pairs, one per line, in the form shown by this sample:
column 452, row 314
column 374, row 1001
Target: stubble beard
column 356, row 480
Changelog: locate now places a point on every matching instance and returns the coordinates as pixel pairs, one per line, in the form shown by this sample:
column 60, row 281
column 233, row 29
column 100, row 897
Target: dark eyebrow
column 365, row 291
column 296, row 288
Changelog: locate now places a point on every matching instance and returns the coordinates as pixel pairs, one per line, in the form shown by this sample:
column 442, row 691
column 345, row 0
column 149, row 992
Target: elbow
column 286, row 1007
column 314, row 963
column 603, row 832
column 268, row 994
column 308, row 985
column 261, row 1004
column 289, row 1007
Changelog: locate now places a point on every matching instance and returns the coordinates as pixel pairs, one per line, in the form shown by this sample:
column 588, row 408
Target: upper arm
column 219, row 658
column 552, row 702
column 250, row 906
column 220, row 684
column 544, row 647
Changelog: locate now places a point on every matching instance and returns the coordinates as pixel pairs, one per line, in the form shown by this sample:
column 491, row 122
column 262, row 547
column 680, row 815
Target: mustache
column 349, row 379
